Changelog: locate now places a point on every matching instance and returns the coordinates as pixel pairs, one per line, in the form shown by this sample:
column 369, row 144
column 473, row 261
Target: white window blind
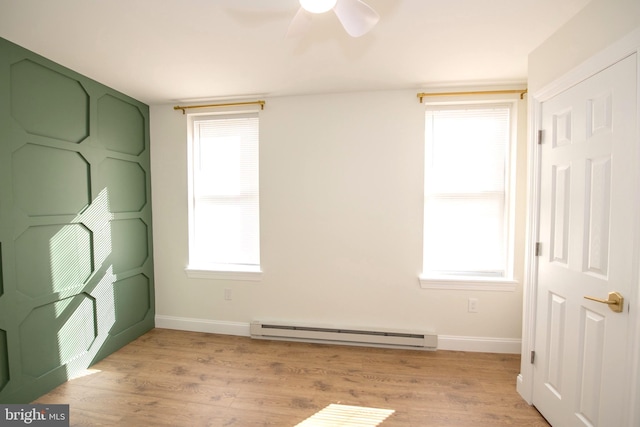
column 466, row 190
column 225, row 225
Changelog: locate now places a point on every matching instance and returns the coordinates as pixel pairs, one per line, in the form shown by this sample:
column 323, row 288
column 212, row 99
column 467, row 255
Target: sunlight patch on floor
column 336, row 415
column 84, row 373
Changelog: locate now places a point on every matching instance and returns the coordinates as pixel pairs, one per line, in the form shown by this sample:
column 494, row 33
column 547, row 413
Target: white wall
column 595, row 27
column 341, row 224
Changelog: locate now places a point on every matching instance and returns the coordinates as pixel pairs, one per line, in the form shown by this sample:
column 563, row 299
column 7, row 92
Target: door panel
column 598, row 203
column 75, row 223
column 555, row 346
column 587, row 230
column 590, row 368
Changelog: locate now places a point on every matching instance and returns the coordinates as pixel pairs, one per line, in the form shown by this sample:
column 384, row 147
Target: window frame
column 429, row 279
column 214, row 271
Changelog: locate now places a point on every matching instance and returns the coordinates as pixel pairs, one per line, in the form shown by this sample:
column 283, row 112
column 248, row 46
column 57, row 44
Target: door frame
column 625, row 47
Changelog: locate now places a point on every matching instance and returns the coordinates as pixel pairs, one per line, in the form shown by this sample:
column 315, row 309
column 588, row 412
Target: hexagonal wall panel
column 55, row 333
column 4, row 360
column 1, row 274
column 45, row 102
column 53, row 258
column 125, row 183
column 132, row 302
column 48, row 181
column 121, row 126
column 128, row 244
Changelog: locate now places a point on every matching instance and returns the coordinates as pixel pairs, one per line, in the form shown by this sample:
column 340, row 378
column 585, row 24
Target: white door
column 588, row 231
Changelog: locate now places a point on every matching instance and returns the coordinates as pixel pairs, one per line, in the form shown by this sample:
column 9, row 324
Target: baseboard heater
column 345, row 336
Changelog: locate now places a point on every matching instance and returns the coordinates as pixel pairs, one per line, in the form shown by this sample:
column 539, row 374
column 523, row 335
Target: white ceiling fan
column 356, row 17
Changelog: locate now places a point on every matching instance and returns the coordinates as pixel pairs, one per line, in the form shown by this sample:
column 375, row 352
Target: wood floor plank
column 177, row 378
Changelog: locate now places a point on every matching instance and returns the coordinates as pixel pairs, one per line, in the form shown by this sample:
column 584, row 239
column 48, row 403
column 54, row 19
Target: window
column 467, row 200
column 224, row 223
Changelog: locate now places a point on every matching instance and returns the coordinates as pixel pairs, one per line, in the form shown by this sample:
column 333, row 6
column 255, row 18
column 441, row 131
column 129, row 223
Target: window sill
column 469, row 283
column 225, row 272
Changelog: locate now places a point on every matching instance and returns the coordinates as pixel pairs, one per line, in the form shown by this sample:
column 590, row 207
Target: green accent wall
column 76, row 270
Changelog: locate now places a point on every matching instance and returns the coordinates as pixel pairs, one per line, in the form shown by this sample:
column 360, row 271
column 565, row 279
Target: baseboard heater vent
column 347, row 336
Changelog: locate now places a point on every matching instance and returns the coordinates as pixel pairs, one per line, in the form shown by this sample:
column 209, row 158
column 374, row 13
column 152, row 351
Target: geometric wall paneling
column 97, row 218
column 1, row 274
column 53, row 258
column 599, row 114
column 129, row 239
column 121, row 126
column 56, row 333
column 47, row 103
column 102, row 291
column 4, row 359
column 49, row 181
column 598, row 193
column 75, row 223
column 131, row 302
column 125, row 183
column 561, row 129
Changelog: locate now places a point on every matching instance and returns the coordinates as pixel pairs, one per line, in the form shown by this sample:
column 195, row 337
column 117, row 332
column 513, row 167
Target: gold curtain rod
column 228, row 104
column 480, row 92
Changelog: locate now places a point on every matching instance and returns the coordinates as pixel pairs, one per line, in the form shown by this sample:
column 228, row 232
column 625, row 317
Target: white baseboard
column 445, row 342
column 203, row 325
column 480, row 344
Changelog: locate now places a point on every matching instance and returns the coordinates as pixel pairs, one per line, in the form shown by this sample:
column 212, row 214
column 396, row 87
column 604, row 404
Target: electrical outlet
column 473, row 305
column 227, row 294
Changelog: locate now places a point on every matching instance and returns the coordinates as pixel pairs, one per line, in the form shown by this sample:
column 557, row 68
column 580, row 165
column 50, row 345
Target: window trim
column 468, row 283
column 224, row 272
column 213, row 271
column 431, row 279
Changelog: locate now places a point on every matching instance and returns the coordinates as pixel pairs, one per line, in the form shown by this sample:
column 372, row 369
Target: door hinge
column 540, row 134
column 538, row 248
column 533, row 356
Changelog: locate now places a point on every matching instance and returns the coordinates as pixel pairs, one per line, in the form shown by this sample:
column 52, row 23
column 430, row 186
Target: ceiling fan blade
column 299, row 24
column 356, row 17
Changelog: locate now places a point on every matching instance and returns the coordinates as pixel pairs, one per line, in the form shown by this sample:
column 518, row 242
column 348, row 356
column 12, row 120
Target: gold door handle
column 615, row 301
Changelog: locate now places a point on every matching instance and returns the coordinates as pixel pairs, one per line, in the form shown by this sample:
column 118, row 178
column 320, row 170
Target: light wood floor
column 175, row 378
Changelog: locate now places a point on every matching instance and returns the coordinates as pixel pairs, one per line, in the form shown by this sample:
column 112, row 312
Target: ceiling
column 163, row 51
